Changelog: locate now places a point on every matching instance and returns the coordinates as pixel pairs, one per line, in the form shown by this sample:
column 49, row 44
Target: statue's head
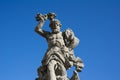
column 55, row 25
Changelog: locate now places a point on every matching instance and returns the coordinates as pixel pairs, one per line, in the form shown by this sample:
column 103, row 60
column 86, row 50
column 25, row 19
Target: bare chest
column 55, row 39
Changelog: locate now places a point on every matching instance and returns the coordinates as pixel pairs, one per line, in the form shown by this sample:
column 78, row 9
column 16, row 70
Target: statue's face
column 55, row 27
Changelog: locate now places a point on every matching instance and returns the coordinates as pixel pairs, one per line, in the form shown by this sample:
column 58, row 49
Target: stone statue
column 59, row 56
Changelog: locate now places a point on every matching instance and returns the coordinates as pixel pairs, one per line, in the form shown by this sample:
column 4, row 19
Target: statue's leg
column 63, row 71
column 60, row 71
column 51, row 71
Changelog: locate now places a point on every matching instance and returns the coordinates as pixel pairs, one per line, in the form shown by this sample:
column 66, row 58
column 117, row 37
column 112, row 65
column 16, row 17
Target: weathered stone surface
column 60, row 55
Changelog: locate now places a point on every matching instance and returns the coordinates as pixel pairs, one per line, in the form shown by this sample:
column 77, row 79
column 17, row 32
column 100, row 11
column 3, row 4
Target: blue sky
column 95, row 22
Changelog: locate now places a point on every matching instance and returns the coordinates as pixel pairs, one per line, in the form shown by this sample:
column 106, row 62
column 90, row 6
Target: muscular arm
column 39, row 29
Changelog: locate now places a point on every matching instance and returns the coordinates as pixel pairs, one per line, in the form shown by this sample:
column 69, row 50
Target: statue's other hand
column 69, row 34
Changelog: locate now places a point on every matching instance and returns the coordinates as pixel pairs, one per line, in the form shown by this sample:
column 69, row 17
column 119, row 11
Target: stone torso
column 55, row 40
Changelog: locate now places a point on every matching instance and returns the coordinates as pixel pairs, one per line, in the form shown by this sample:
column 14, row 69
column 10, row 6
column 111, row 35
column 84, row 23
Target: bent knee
column 51, row 64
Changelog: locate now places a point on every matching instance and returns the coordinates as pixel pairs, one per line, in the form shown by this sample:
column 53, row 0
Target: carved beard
column 55, row 30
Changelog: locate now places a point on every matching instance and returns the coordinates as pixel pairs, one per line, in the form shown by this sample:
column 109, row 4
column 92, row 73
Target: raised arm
column 38, row 28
